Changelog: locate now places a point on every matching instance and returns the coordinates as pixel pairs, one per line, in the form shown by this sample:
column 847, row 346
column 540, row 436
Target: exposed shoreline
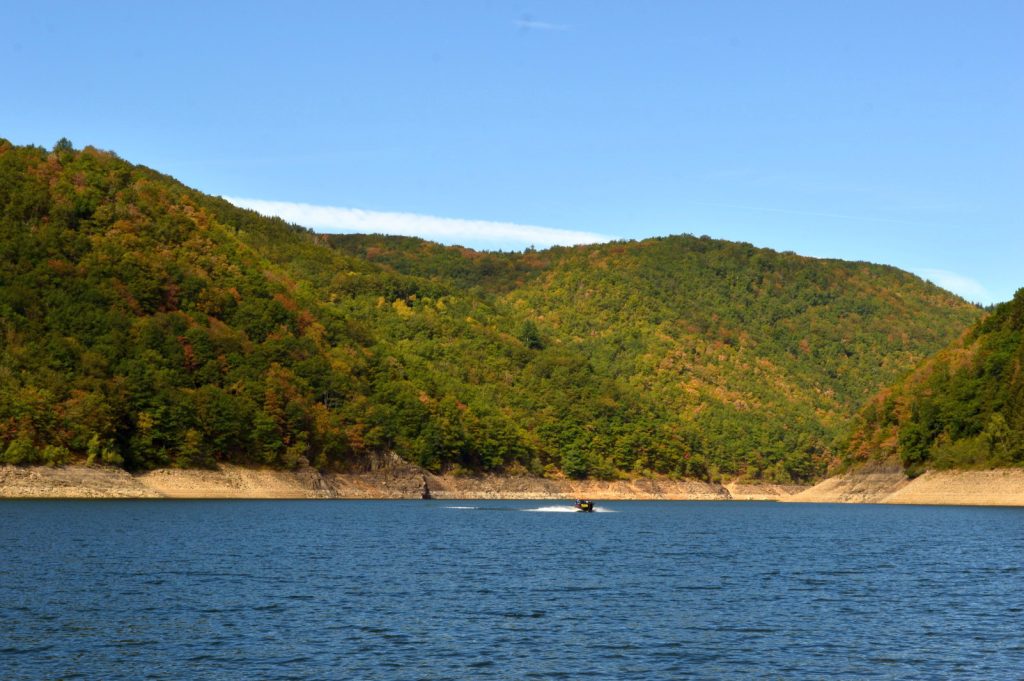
column 888, row 485
column 398, row 480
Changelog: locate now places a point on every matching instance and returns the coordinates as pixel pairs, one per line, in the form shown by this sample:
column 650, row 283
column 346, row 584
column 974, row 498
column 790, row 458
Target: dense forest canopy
column 962, row 408
column 146, row 324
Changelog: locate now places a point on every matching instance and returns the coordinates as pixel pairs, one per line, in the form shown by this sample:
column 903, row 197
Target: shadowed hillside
column 962, row 408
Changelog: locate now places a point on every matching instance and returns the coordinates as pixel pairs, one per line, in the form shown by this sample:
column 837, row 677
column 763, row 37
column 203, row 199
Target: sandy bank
column 497, row 487
column 748, row 491
column 867, row 486
column 394, row 479
column 1002, row 487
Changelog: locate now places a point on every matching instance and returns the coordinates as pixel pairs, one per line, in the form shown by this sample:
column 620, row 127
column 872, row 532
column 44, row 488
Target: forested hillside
column 742, row 359
column 145, row 324
column 962, row 408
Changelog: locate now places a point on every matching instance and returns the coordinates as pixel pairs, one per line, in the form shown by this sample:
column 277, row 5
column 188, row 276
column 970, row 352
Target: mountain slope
column 962, row 408
column 147, row 324
column 747, row 359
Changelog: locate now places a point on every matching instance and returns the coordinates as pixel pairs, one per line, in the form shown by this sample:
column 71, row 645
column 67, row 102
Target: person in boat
column 585, row 505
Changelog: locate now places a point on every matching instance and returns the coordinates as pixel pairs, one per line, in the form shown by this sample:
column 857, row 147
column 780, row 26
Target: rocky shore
column 392, row 478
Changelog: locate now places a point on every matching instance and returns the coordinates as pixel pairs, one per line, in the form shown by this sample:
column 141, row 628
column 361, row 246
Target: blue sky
column 891, row 132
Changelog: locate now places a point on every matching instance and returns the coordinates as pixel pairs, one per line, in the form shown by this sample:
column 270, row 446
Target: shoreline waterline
column 999, row 487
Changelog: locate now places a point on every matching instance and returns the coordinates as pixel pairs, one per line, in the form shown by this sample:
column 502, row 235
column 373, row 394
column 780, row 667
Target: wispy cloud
column 528, row 23
column 963, row 286
column 480, row 234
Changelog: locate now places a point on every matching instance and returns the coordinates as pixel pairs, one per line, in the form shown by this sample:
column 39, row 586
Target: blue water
column 419, row 590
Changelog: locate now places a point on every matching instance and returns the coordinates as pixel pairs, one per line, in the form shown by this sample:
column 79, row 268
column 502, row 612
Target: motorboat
column 585, row 505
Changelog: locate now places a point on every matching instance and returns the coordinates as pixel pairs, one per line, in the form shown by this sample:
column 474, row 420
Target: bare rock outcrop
column 71, row 482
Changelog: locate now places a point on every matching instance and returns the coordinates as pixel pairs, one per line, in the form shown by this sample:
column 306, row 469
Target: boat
column 584, row 505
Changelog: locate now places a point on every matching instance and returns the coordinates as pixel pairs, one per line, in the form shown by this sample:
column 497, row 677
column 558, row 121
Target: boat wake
column 542, row 509
column 552, row 509
column 565, row 509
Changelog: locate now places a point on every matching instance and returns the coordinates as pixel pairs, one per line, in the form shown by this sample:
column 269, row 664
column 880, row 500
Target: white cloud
column 480, row 234
column 965, row 287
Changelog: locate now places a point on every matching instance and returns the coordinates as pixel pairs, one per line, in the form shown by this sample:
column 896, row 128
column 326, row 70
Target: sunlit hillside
column 146, row 324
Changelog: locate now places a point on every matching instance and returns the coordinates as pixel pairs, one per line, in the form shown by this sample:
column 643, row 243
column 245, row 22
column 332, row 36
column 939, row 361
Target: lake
column 508, row 590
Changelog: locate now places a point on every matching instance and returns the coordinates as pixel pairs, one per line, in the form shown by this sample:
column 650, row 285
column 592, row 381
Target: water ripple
column 397, row 590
